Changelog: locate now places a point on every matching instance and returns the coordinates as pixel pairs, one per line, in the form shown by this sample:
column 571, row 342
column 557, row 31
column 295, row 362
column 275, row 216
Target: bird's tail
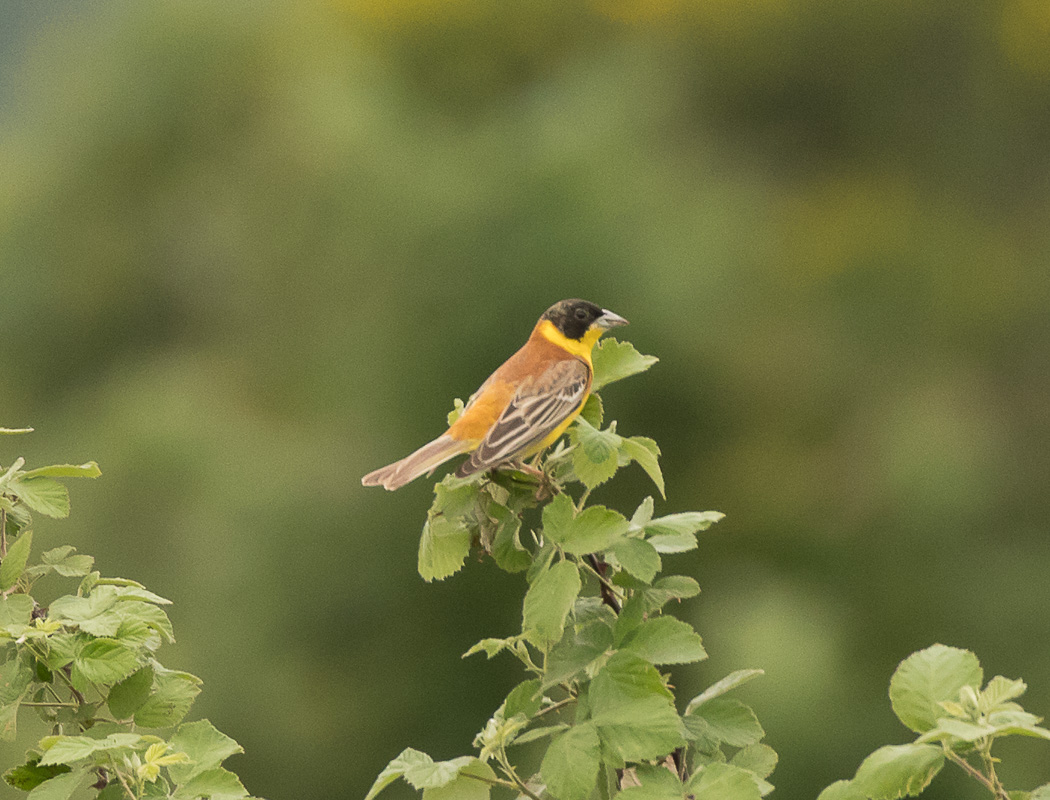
column 425, row 459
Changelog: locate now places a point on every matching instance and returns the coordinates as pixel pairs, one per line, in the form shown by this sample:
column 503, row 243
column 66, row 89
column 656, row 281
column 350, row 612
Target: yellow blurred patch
column 1025, row 35
column 715, row 13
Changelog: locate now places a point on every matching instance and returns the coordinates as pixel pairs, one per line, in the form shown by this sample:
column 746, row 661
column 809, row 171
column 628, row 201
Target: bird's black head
column 575, row 317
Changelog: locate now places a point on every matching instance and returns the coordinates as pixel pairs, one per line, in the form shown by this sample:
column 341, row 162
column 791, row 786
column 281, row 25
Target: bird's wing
column 539, row 406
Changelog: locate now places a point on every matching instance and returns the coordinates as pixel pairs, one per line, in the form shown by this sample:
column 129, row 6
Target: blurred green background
column 251, row 250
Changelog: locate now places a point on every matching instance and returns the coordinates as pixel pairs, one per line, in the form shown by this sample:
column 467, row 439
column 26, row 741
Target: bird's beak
column 609, row 320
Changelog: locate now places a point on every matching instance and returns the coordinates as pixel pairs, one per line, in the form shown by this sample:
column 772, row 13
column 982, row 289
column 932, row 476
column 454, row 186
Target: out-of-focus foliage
column 249, row 251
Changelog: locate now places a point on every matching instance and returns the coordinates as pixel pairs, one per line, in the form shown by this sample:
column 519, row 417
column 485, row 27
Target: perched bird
column 524, row 406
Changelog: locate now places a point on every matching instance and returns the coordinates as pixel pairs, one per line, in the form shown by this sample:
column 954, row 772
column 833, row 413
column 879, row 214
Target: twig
column 998, row 792
column 607, row 590
column 504, row 762
column 554, row 707
column 124, row 783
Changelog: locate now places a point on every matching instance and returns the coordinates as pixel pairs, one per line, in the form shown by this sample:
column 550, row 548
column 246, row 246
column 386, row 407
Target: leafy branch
column 596, row 712
column 86, row 664
column 937, row 693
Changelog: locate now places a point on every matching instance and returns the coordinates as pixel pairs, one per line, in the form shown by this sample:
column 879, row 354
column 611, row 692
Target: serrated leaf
column 173, row 694
column 547, row 604
column 443, row 548
column 14, row 562
column 676, row 533
column 525, row 698
column 577, row 651
column 15, row 677
column 68, row 749
column 842, row 790
column 15, row 610
column 43, row 495
column 593, row 410
column 103, row 661
column 1001, row 690
column 592, row 530
column 464, row 787
column 407, row 759
column 595, row 457
column 127, row 696
column 729, row 721
column 646, row 453
column 534, row 734
column 63, row 561
column 634, row 710
column 147, row 613
column 88, row 470
column 614, row 360
column 926, row 678
column 491, row 647
column 435, row 774
column 570, row 766
column 507, row 549
column 665, row 640
column 29, row 775
column 673, row 587
column 760, row 759
column 654, row 783
column 61, row 787
column 213, row 783
column 897, row 771
column 638, row 557
column 1041, row 793
column 723, row 782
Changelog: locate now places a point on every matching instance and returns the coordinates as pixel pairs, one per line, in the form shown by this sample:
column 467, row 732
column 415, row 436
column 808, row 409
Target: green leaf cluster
column 937, row 694
column 595, row 710
column 86, row 663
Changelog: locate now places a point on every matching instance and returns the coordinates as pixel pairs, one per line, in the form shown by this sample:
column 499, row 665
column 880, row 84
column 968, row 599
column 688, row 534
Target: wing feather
column 537, row 408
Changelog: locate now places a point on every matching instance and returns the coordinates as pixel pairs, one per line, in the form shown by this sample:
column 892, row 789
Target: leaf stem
column 554, row 707
column 608, row 591
column 997, row 790
column 504, row 762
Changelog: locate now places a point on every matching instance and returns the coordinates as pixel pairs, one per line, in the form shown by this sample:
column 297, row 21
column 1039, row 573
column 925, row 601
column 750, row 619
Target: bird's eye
column 581, row 313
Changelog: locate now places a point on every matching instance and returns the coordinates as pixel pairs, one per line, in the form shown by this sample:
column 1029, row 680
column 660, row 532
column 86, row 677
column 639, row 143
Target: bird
column 524, row 406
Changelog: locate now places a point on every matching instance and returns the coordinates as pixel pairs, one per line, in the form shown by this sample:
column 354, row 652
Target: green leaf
column 673, row 587
column 506, row 543
column 407, row 759
column 596, row 455
column 760, row 759
column 463, row 787
column 67, row 749
column 534, row 734
column 723, row 782
column 454, row 497
column 1001, row 690
column 719, row 688
column 665, row 640
column 577, row 651
column 61, row 787
column 17, row 610
column 646, row 453
column 491, row 647
column 676, row 533
column 212, row 783
column 614, row 361
column 62, row 560
column 729, row 721
column 430, row 774
column 443, row 548
column 634, row 710
column 525, row 698
column 593, row 410
column 42, row 494
column 457, row 411
column 638, row 557
column 127, row 696
column 842, row 790
column 92, row 614
column 173, row 694
column 591, row 531
column 88, row 470
column 147, row 613
column 1041, row 793
column 29, row 775
column 103, row 661
column 898, row 771
column 927, row 678
column 656, row 783
column 547, row 604
column 14, row 562
column 15, row 677
column 570, row 766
